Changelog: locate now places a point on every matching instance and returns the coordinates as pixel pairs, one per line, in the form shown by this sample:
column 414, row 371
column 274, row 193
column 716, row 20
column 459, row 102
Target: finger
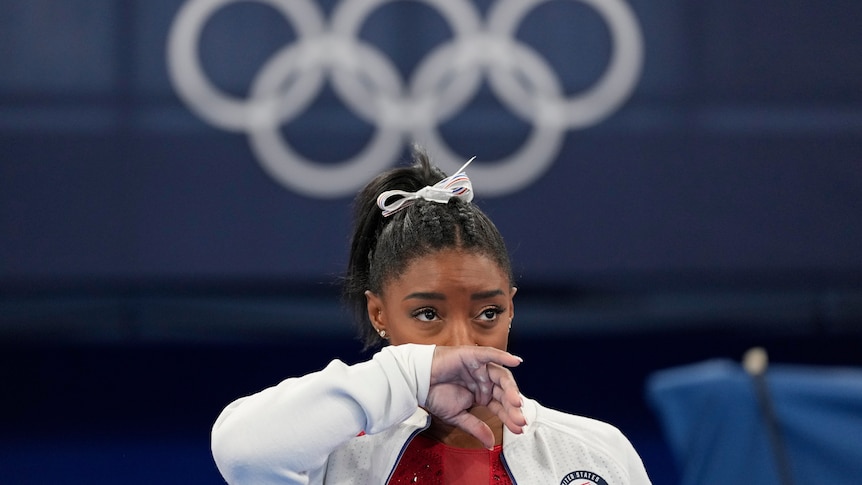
column 482, row 386
column 486, row 355
column 513, row 419
column 448, row 400
column 486, row 369
column 505, row 400
column 475, row 380
column 474, row 375
column 482, row 391
column 504, row 383
column 467, row 363
column 509, row 413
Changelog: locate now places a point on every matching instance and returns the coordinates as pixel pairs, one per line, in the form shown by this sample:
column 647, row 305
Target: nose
column 460, row 332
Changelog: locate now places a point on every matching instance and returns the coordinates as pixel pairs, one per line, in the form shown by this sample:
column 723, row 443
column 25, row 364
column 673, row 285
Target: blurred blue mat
column 717, row 431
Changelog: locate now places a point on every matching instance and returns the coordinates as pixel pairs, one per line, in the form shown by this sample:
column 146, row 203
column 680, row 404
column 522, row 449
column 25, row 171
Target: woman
column 429, row 276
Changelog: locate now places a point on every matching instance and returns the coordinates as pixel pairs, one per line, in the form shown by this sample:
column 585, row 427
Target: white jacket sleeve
column 285, row 433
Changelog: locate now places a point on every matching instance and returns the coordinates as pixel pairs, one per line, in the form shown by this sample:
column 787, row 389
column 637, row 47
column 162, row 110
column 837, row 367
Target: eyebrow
column 423, row 295
column 484, row 295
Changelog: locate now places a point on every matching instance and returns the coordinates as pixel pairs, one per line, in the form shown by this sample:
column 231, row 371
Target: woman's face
column 449, row 297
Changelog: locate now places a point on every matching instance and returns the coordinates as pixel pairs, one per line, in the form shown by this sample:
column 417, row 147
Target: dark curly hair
column 382, row 247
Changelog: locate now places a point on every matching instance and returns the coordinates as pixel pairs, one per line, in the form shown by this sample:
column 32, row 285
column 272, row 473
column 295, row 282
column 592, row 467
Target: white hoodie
column 305, row 431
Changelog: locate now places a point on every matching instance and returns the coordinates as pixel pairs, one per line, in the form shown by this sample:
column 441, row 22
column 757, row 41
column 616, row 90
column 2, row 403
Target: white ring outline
column 396, row 115
column 191, row 83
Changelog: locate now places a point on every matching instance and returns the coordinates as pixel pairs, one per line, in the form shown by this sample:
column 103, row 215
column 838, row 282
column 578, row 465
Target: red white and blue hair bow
column 456, row 185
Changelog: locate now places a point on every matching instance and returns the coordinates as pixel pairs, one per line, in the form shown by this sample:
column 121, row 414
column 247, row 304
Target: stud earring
column 382, row 334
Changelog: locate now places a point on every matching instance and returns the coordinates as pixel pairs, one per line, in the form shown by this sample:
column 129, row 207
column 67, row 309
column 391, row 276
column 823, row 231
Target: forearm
column 280, row 434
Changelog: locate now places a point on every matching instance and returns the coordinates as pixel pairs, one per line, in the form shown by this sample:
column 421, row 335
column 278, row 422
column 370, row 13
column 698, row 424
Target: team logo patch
column 582, row 477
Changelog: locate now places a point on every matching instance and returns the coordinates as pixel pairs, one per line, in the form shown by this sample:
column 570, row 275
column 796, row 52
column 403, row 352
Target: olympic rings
column 369, row 84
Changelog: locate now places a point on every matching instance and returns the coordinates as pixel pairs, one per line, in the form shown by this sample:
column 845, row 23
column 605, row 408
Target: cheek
column 402, row 335
column 402, row 330
column 497, row 338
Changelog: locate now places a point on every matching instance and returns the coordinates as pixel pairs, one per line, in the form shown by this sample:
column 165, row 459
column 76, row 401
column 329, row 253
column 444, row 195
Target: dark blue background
column 151, row 271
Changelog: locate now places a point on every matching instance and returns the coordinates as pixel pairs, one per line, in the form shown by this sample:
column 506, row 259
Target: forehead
column 451, row 269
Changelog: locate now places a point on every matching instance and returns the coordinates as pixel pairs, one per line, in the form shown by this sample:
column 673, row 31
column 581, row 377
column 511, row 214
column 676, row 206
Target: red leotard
column 426, row 461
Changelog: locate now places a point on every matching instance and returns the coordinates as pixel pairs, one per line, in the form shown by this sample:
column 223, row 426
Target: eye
column 490, row 314
column 427, row 314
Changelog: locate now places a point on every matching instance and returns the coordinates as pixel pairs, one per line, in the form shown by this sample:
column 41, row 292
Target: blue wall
column 732, row 145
